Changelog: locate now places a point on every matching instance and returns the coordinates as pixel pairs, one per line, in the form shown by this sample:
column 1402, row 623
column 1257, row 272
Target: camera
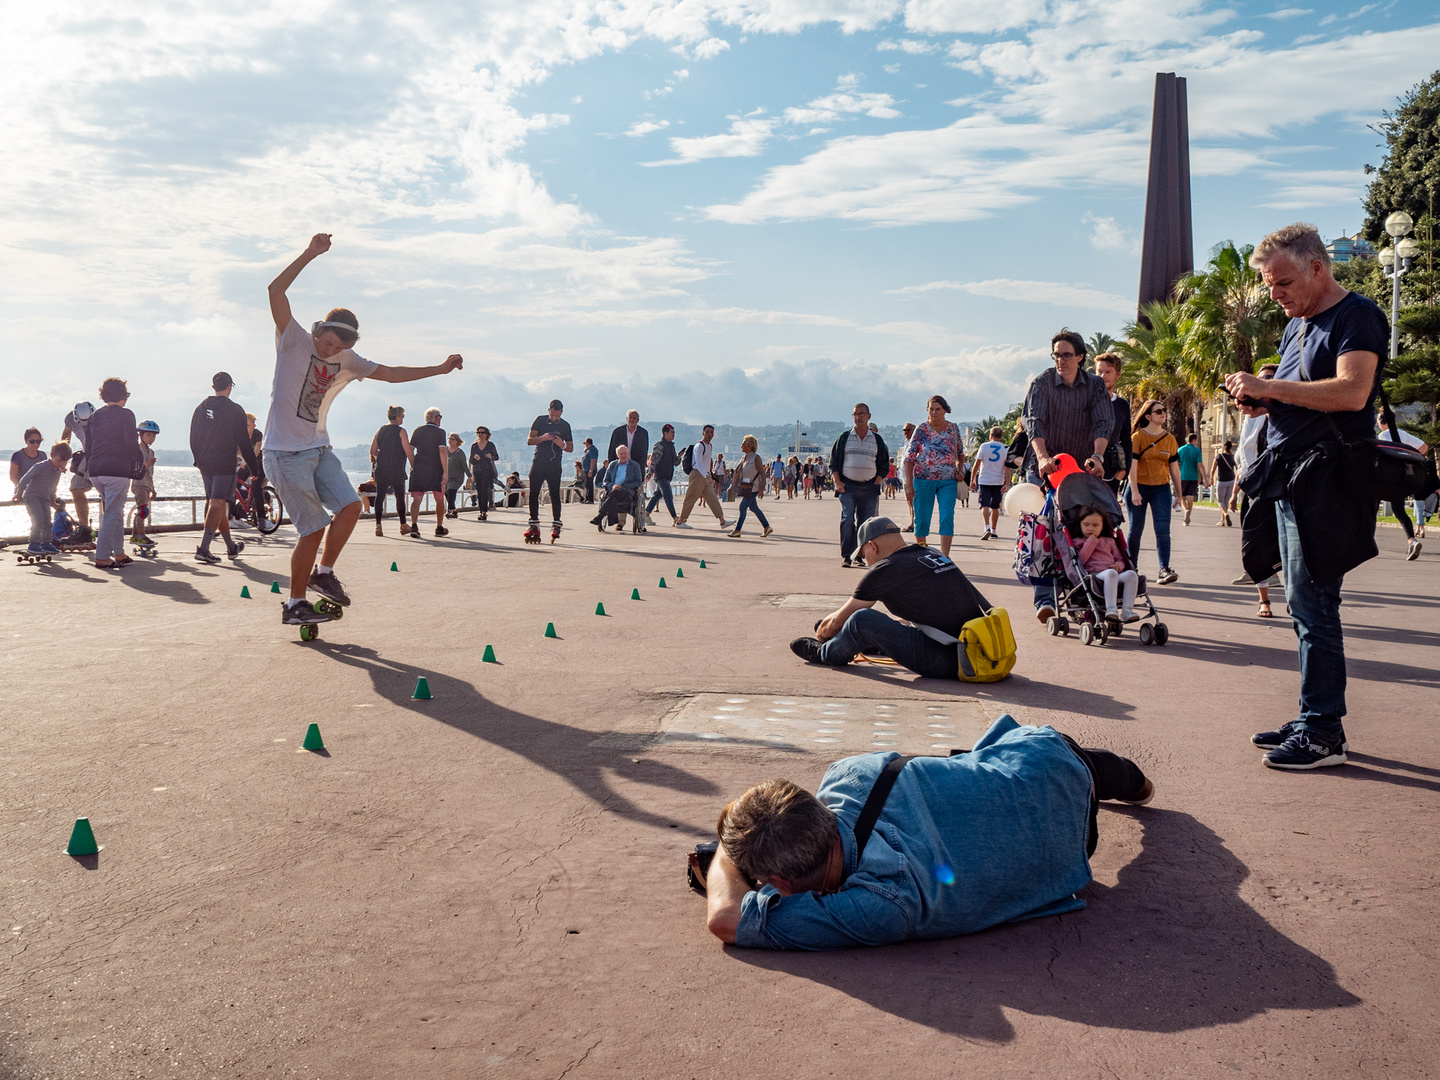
column 700, row 859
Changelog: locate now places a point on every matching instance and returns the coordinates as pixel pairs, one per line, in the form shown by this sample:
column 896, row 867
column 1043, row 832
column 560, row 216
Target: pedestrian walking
column 1156, row 479
column 483, row 458
column 933, row 465
column 662, row 470
column 115, row 459
column 217, row 433
column 429, row 471
column 750, row 485
column 1225, row 482
column 390, row 456
column 698, row 484
column 858, row 461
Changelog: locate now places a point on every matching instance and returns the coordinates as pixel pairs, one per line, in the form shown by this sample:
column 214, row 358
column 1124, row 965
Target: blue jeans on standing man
column 1157, row 498
column 662, row 487
column 858, row 503
column 1315, row 611
column 876, row 634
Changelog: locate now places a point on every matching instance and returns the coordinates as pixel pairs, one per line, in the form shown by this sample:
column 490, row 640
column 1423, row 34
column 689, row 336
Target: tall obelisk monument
column 1169, row 246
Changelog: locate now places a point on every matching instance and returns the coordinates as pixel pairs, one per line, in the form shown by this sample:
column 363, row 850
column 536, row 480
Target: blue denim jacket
column 996, row 835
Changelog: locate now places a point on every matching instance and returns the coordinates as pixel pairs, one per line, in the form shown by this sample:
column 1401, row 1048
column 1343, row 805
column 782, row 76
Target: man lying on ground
column 1000, row 834
column 919, row 585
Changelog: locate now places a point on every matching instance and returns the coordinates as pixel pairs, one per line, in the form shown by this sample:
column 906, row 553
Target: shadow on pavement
column 1171, row 947
column 558, row 748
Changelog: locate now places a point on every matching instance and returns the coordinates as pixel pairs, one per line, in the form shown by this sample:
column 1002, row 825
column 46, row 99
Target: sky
column 711, row 210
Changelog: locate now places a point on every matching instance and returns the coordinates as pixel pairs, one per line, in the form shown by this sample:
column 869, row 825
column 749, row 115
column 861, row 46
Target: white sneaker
column 683, row 525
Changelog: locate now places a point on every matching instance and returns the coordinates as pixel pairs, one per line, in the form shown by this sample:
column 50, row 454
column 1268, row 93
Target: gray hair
column 1301, row 241
column 432, row 414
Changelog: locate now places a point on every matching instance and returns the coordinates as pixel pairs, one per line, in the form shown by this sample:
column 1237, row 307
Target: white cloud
column 1288, row 13
column 833, row 106
column 907, row 45
column 710, row 48
column 746, row 138
column 1059, row 293
column 971, row 16
column 1304, row 190
column 1107, row 235
column 645, row 127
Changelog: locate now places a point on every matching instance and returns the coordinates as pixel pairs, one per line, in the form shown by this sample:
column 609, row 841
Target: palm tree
column 1155, row 364
column 1100, row 342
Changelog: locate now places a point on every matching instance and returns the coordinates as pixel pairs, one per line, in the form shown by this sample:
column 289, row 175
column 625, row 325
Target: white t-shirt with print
column 304, row 387
column 990, row 460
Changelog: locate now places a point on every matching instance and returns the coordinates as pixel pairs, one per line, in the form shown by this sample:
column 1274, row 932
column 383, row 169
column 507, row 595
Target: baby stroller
column 1051, row 558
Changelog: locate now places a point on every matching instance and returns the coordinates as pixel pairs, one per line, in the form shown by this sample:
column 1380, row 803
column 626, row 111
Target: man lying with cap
column 919, row 585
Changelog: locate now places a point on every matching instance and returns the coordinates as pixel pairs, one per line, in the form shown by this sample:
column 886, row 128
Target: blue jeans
column 858, row 502
column 876, row 634
column 927, row 494
column 662, row 487
column 1315, row 611
column 110, row 540
column 1154, row 497
column 747, row 502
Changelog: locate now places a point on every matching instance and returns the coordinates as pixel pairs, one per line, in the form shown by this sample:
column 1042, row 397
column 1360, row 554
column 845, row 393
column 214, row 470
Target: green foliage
column 1233, row 320
column 1365, row 277
column 1154, row 360
column 1409, row 177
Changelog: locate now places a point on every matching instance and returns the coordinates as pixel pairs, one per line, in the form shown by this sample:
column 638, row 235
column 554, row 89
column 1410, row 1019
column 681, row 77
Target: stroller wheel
column 1147, row 634
column 1087, row 633
column 1052, row 626
column 1065, row 627
column 1162, row 633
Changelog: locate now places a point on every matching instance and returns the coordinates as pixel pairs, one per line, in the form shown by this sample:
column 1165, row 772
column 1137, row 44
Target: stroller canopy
column 1084, row 489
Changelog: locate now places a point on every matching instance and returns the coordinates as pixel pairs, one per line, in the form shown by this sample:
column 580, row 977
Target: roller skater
column 550, row 435
column 311, row 368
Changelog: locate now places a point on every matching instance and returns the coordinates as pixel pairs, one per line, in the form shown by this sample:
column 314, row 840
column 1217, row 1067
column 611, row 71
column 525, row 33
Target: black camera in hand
column 699, row 865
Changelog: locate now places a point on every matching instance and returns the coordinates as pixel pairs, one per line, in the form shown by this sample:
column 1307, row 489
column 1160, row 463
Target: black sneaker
column 1269, row 740
column 237, row 549
column 1302, row 751
column 301, row 613
column 328, row 586
column 846, row 563
column 209, row 557
column 808, row 649
column 440, row 530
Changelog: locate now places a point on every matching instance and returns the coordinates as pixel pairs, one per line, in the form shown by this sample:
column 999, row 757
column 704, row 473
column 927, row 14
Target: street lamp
column 1396, row 260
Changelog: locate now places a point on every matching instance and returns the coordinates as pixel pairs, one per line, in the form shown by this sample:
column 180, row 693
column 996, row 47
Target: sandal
column 1265, row 612
column 109, row 564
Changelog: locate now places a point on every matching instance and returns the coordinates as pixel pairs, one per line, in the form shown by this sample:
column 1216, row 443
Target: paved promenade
column 491, row 882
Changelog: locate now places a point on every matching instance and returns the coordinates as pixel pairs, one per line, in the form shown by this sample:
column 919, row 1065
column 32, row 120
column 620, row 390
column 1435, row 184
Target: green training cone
column 600, row 609
column 489, row 657
column 82, row 839
column 702, row 564
column 274, row 586
column 313, row 741
column 394, row 568
column 422, row 689
column 634, row 594
column 550, row 630
column 662, row 583
column 244, row 592
column 679, row 571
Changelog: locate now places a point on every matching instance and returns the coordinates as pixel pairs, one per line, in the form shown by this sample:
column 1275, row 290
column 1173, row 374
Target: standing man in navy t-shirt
column 1324, row 390
column 550, row 435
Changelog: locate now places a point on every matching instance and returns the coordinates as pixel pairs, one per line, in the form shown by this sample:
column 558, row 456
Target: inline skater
column 551, row 437
column 311, row 368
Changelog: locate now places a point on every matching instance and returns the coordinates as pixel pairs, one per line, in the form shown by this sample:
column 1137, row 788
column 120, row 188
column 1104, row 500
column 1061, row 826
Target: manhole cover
column 834, row 726
column 809, row 601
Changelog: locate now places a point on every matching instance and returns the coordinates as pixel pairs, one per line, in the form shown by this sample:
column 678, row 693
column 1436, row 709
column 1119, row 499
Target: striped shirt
column 1069, row 418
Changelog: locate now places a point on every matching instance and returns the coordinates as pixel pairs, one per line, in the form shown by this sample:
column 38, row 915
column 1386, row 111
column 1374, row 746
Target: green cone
column 634, row 594
column 422, row 689
column 679, row 571
column 702, row 564
column 82, row 839
column 313, row 741
column 550, row 630
column 600, row 609
column 275, row 586
column 489, row 657
column 394, row 568
column 662, row 583
column 244, row 592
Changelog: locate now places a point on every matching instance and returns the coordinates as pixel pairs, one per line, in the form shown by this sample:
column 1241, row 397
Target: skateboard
column 26, row 559
column 146, row 550
column 327, row 607
column 532, row 535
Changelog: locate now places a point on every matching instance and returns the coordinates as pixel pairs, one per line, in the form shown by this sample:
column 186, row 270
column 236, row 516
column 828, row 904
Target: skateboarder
column 311, row 368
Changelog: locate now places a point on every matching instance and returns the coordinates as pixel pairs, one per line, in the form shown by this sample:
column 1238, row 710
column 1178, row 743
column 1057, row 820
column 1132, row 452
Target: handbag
column 985, row 649
column 1385, row 468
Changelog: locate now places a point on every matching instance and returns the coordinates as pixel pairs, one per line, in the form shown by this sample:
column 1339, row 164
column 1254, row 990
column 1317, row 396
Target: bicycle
column 266, row 522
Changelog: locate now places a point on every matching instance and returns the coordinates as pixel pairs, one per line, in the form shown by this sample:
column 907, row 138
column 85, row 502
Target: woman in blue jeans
column 1154, row 478
column 749, row 479
column 934, row 461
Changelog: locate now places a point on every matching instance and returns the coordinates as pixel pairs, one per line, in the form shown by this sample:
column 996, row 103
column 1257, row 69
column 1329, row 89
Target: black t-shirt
column 548, row 455
column 426, row 440
column 217, row 434
column 922, row 586
column 481, row 460
column 1224, row 468
column 1354, row 324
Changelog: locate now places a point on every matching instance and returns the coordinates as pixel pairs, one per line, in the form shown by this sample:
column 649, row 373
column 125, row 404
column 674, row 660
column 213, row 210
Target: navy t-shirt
column 922, row 586
column 1355, row 324
column 548, row 455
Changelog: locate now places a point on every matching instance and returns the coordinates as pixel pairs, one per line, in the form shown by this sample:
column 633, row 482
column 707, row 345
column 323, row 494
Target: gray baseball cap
column 873, row 529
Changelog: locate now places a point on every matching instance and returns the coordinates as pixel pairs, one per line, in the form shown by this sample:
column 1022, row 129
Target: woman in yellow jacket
column 1154, row 481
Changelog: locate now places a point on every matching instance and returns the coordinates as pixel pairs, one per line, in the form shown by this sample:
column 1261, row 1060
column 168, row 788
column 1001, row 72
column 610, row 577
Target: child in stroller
column 1099, row 556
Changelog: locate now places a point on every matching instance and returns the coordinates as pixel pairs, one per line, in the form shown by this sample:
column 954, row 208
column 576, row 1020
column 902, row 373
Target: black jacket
column 1119, row 450
column 640, row 451
column 217, row 432
column 837, row 457
column 664, row 467
column 112, row 448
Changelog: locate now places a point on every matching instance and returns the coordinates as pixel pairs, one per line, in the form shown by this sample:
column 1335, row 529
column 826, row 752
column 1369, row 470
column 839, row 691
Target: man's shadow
column 565, row 751
column 1171, row 947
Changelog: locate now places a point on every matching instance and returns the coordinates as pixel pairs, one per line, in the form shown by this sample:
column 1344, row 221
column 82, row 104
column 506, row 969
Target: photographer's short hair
column 1301, row 241
column 777, row 828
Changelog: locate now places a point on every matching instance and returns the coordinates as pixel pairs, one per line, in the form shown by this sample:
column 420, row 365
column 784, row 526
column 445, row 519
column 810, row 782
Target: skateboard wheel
column 309, row 632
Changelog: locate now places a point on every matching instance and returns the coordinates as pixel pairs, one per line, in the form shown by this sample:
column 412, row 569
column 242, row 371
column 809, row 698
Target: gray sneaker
column 328, row 586
column 209, row 557
column 301, row 613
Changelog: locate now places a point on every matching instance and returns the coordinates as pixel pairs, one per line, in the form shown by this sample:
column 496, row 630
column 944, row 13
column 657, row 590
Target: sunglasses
column 33, row 442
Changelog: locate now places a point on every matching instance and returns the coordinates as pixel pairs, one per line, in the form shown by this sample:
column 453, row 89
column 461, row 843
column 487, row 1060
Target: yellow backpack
column 987, row 647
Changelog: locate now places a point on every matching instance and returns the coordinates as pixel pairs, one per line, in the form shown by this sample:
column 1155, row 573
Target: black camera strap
column 875, row 802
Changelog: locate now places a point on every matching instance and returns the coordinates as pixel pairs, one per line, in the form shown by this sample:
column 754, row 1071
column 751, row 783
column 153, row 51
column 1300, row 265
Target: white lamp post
column 1396, row 260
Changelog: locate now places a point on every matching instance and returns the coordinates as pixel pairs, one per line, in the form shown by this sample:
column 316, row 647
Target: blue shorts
column 312, row 485
column 990, row 496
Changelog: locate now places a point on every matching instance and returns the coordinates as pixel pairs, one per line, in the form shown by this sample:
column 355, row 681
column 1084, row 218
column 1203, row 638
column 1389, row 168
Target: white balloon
column 1024, row 499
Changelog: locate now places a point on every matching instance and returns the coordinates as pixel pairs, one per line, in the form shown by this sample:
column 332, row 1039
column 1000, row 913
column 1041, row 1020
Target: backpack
column 986, row 648
column 687, row 459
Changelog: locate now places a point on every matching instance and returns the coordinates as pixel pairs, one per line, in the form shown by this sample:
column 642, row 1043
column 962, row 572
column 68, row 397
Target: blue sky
column 711, row 209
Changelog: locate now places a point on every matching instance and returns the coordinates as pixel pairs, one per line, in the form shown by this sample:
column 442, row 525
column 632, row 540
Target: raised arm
column 387, row 373
column 279, row 302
